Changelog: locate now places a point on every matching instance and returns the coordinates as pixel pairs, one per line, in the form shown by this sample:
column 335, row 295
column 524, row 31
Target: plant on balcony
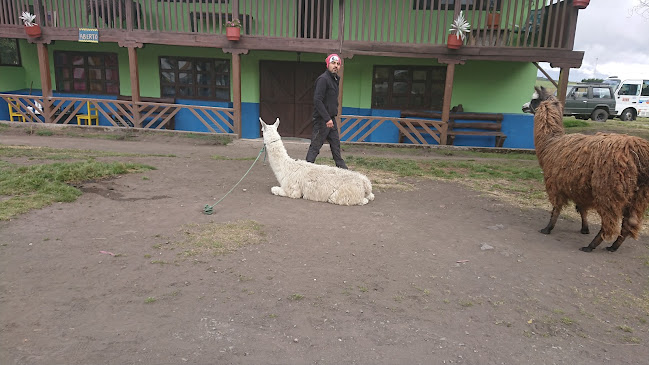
column 32, row 29
column 493, row 16
column 233, row 29
column 458, row 29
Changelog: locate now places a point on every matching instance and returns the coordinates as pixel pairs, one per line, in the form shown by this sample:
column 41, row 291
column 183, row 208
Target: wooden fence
column 117, row 113
column 359, row 128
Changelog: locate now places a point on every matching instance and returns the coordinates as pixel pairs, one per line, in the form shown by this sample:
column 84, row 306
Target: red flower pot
column 233, row 33
column 454, row 42
column 34, row 31
column 493, row 20
column 580, row 4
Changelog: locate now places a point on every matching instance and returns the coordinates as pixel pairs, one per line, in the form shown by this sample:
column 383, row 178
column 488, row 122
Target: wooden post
column 46, row 80
column 448, row 94
column 128, row 8
column 340, row 95
column 135, row 85
column 563, row 85
column 135, row 73
column 236, row 92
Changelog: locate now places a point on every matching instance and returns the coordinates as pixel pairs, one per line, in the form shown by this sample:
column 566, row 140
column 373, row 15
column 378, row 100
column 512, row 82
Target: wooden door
column 286, row 92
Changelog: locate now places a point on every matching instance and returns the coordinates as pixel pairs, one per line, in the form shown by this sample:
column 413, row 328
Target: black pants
column 321, row 134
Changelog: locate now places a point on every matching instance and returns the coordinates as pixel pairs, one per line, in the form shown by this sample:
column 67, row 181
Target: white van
column 632, row 99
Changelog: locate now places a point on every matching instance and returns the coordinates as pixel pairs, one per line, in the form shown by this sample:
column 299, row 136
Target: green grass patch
column 37, row 186
column 453, row 169
column 225, row 158
column 221, row 238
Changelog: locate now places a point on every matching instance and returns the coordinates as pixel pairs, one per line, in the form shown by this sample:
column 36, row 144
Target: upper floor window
column 9, row 52
column 92, row 73
column 464, row 4
column 408, row 87
column 195, row 78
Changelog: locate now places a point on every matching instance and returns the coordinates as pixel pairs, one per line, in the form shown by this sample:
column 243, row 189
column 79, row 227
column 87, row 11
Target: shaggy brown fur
column 605, row 172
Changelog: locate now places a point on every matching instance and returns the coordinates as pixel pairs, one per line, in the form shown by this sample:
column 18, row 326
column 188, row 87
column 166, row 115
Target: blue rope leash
column 209, row 209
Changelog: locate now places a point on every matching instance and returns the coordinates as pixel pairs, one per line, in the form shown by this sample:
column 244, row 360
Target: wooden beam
column 236, row 92
column 134, row 73
column 46, row 79
column 448, row 94
column 44, row 69
column 340, row 93
column 563, row 85
column 546, row 75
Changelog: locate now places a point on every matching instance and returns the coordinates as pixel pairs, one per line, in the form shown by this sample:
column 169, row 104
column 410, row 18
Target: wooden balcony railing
column 120, row 113
column 519, row 23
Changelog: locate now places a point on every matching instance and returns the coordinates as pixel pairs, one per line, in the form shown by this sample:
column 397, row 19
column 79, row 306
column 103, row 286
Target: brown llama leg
column 584, row 219
column 594, row 243
column 624, row 233
column 553, row 220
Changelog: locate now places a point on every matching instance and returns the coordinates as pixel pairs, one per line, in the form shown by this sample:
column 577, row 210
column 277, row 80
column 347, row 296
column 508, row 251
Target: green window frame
column 408, row 87
column 195, row 78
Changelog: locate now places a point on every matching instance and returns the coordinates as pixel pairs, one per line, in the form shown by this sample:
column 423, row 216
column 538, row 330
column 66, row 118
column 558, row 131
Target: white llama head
column 269, row 131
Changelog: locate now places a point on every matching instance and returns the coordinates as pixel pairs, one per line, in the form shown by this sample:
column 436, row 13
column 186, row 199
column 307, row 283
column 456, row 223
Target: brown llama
column 605, row 172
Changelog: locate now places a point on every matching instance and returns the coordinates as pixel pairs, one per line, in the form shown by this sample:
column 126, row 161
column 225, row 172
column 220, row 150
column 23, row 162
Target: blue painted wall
column 519, row 128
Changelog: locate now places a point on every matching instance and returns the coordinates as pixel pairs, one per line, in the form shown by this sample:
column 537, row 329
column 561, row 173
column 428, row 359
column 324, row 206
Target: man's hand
column 330, row 124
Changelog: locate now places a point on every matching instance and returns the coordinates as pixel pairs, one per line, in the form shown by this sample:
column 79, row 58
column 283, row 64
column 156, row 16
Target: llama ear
column 276, row 123
column 263, row 124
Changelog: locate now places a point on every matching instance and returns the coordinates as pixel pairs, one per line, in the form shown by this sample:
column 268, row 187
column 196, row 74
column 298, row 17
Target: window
column 645, row 88
column 9, row 52
column 408, row 87
column 464, row 4
column 579, row 92
column 90, row 73
column 629, row 89
column 602, row 93
column 195, row 78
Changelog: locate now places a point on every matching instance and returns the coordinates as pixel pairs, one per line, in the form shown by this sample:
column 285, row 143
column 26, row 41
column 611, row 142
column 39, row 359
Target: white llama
column 301, row 179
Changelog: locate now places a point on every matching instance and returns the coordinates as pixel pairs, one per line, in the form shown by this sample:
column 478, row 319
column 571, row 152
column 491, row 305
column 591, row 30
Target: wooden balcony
column 524, row 30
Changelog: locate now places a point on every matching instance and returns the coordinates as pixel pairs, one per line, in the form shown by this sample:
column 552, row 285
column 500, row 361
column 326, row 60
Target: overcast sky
column 615, row 41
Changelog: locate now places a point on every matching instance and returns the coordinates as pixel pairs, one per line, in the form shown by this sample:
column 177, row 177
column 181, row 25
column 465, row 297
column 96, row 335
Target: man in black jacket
column 325, row 101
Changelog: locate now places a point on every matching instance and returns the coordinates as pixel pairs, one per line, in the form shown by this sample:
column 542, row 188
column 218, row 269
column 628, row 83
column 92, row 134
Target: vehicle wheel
column 599, row 115
column 627, row 114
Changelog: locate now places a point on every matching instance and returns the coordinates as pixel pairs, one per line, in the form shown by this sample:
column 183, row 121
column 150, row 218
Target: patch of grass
column 150, row 300
column 37, row 186
column 625, row 328
column 222, row 238
column 224, row 158
column 216, row 139
column 44, row 132
column 567, row 321
column 466, row 303
column 631, row 339
column 296, row 297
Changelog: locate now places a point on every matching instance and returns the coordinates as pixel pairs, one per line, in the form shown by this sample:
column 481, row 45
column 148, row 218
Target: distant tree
column 593, row 81
column 642, row 8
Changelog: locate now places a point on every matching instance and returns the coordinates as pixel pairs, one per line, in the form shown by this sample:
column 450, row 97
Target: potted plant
column 493, row 16
column 458, row 28
column 580, row 4
column 32, row 29
column 233, row 29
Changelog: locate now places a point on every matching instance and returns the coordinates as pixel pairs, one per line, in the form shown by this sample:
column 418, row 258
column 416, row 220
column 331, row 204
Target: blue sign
column 88, row 35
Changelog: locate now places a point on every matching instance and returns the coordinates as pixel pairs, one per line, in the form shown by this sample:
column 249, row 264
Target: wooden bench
column 157, row 111
column 492, row 125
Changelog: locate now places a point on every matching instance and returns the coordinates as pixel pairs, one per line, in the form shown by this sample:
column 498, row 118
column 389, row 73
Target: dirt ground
column 437, row 274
